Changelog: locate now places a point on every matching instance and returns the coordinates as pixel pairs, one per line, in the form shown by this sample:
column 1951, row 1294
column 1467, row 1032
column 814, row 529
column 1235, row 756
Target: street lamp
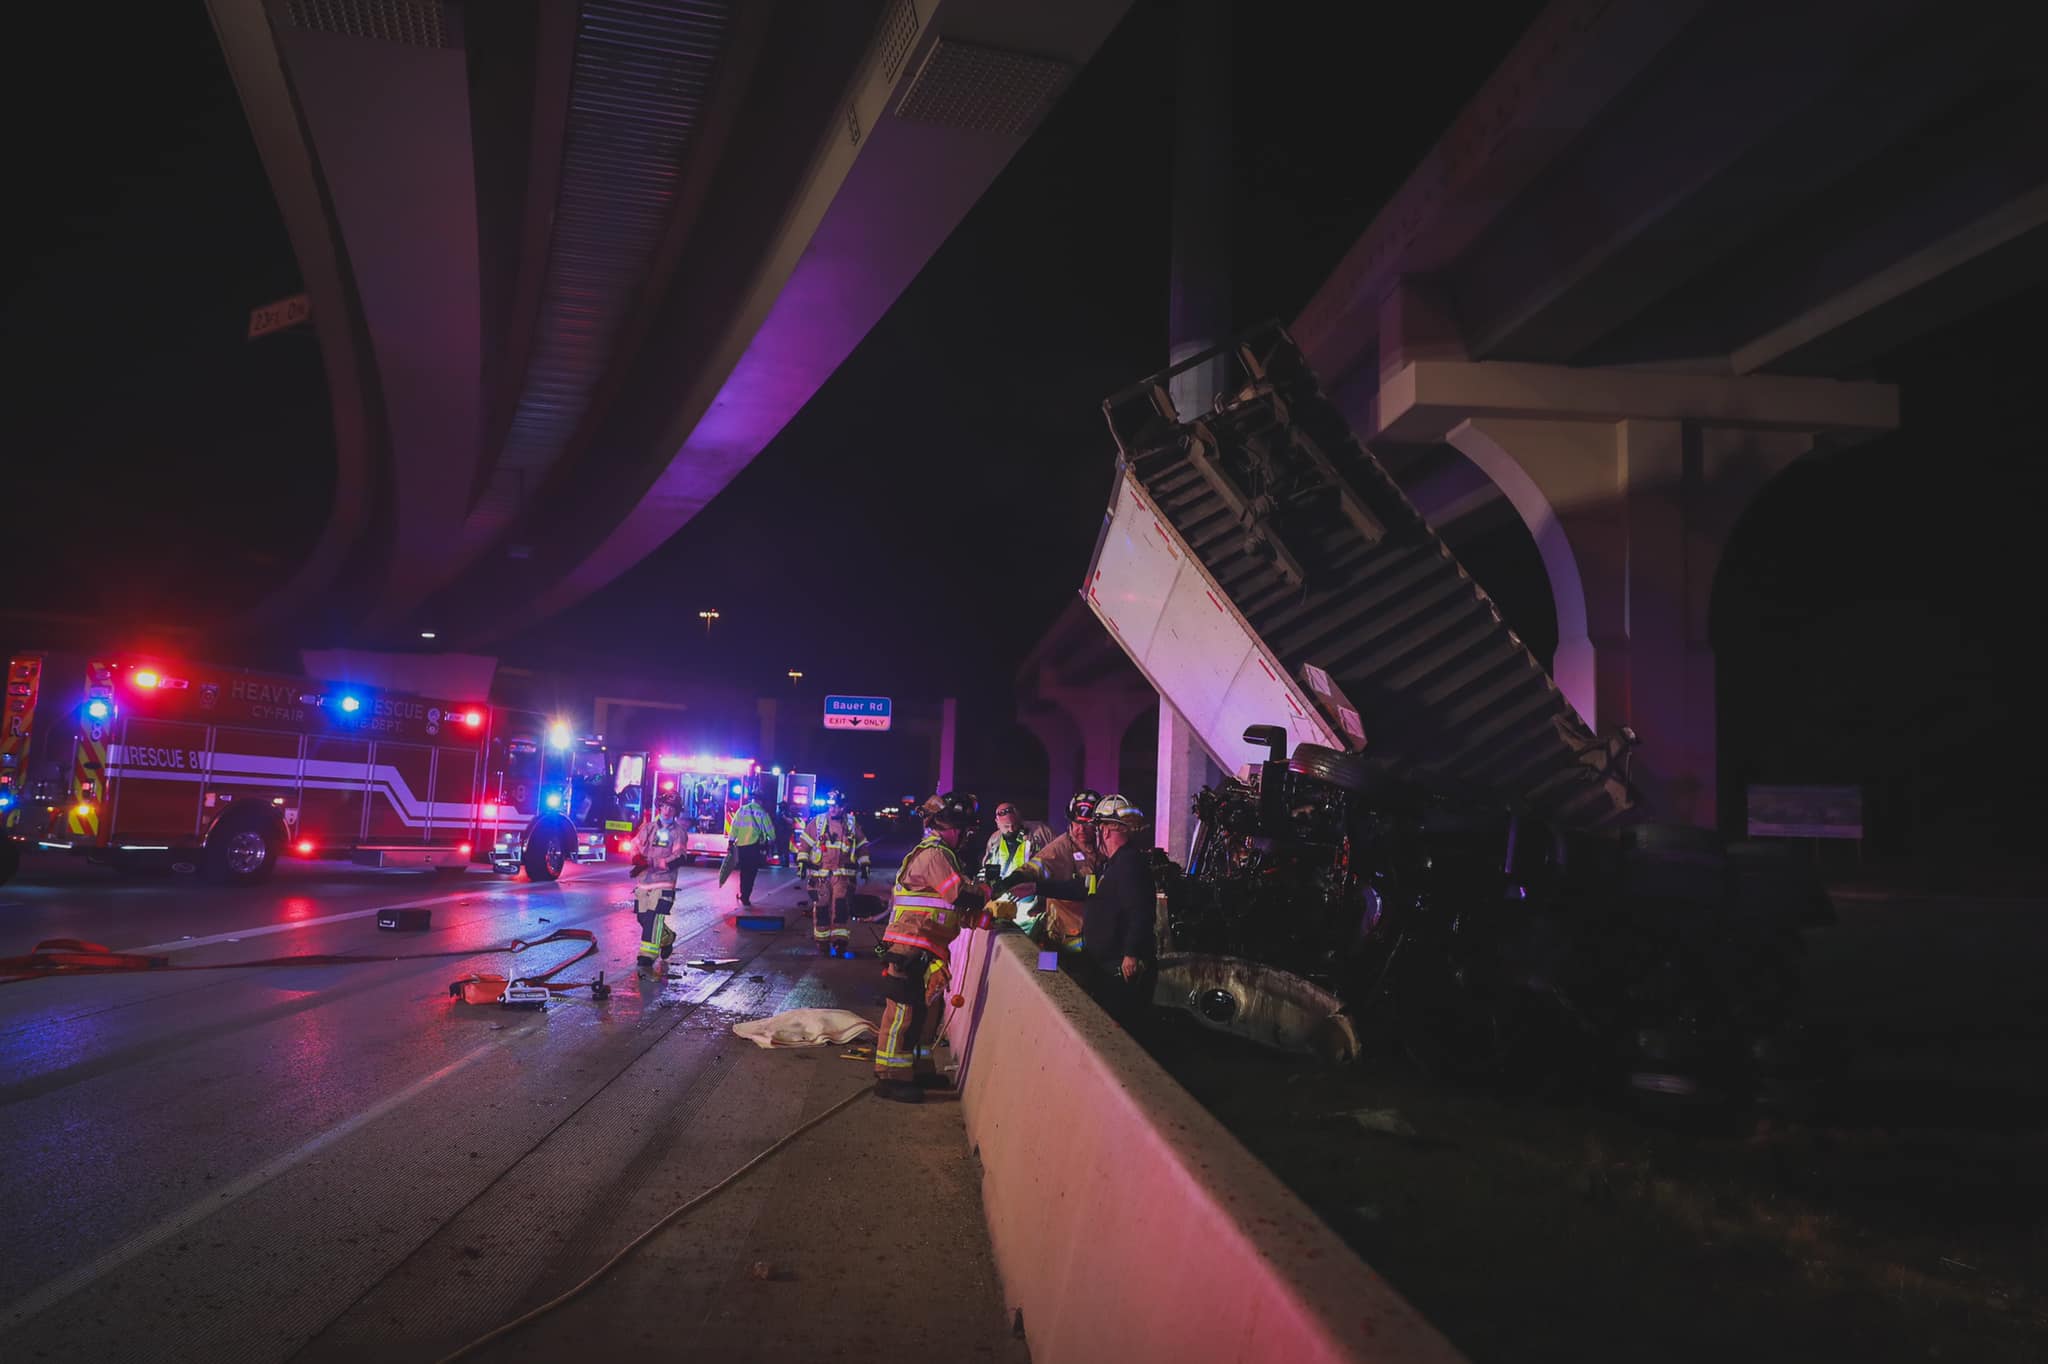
column 707, row 617
column 795, row 677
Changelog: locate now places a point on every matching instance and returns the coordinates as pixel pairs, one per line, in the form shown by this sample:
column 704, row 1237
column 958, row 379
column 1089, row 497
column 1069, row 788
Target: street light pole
column 795, row 677
column 707, row 617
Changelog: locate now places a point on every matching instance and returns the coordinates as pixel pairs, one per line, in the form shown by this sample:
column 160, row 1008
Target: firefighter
column 1009, row 847
column 1118, row 904
column 1074, row 854
column 834, row 852
column 657, row 852
column 931, row 902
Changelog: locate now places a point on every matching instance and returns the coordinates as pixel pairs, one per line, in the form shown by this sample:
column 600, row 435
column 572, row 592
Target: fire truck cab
column 564, row 789
column 134, row 760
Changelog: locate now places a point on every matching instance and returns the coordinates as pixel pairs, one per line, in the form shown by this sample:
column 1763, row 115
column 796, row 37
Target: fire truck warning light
column 146, row 679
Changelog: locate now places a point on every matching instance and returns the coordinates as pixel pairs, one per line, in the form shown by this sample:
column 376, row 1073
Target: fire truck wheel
column 547, row 849
column 241, row 853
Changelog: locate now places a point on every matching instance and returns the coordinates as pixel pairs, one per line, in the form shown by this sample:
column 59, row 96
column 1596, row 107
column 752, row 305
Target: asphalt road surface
column 329, row 1161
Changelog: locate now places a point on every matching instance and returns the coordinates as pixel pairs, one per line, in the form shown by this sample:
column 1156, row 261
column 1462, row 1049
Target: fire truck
column 139, row 760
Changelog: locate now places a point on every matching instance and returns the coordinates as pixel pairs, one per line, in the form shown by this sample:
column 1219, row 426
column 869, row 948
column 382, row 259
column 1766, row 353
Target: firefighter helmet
column 950, row 810
column 835, row 799
column 670, row 799
column 1082, row 806
column 1120, row 812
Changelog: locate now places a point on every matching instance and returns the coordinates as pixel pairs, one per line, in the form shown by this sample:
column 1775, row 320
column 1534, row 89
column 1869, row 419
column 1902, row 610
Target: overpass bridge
column 1651, row 263
column 573, row 265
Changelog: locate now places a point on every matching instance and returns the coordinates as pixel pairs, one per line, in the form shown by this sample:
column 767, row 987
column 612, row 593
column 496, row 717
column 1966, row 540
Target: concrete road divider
column 1127, row 1223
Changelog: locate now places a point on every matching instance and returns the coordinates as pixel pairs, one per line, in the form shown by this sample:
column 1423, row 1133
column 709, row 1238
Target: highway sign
column 275, row 317
column 857, row 712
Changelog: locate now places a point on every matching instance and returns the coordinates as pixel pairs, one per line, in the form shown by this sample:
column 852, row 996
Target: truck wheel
column 547, row 851
column 1345, row 771
column 241, row 853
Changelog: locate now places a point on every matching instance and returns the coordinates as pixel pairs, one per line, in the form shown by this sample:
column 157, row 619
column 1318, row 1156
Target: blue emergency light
column 96, row 709
column 735, row 788
column 6, row 801
column 554, row 800
column 351, row 704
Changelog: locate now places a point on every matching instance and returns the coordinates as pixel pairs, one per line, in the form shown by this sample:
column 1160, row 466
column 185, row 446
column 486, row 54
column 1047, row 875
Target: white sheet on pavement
column 804, row 1028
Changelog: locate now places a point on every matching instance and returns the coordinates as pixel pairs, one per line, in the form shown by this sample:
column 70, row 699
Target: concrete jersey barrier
column 1128, row 1224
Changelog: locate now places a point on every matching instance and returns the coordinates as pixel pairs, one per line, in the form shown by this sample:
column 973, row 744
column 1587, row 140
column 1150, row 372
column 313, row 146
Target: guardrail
column 1127, row 1223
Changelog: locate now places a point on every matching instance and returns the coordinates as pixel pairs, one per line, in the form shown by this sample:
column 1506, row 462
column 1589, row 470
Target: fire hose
column 77, row 957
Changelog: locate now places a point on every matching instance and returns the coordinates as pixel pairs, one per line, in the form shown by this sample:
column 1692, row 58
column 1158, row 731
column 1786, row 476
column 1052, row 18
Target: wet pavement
column 326, row 1162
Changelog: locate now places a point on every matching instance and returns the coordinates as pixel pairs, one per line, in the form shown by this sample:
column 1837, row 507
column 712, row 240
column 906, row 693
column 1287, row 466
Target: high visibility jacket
column 924, row 906
column 1006, row 853
column 751, row 825
column 842, row 854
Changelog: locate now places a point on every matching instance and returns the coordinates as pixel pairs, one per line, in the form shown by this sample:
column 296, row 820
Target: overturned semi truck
column 1420, row 829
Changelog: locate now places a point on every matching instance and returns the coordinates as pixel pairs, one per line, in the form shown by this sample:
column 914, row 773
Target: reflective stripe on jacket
column 842, row 854
column 924, row 904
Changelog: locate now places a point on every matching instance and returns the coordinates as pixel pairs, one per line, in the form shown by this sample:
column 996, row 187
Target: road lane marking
column 62, row 1287
column 237, row 934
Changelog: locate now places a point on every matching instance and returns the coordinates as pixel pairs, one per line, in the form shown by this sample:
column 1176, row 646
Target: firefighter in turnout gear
column 657, row 852
column 1074, row 855
column 834, row 855
column 933, row 900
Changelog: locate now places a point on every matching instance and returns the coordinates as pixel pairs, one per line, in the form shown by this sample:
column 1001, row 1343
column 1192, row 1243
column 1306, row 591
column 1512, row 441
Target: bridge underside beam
column 1689, row 170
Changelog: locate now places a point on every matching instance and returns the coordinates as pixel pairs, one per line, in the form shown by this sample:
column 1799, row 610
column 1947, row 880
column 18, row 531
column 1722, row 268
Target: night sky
column 1873, row 615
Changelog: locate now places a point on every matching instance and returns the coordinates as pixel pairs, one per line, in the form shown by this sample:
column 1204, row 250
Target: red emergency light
column 147, row 679
column 463, row 848
column 473, row 718
column 305, row 847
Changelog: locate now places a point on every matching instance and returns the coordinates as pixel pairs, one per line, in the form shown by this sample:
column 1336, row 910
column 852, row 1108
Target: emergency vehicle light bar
column 723, row 767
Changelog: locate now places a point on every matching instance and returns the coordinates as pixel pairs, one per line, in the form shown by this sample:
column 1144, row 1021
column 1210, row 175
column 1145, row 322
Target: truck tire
column 1345, row 771
column 241, row 852
column 549, row 844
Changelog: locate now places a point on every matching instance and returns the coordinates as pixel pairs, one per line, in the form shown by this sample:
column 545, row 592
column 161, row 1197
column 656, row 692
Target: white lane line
column 57, row 1289
column 237, row 934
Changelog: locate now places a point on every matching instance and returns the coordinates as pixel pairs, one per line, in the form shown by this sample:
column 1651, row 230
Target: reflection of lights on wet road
column 298, row 907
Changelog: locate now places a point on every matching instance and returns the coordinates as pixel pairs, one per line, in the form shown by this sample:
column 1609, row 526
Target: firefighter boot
column 900, row 1091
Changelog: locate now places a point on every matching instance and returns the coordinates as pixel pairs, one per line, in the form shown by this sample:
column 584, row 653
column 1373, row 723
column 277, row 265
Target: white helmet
column 1120, row 812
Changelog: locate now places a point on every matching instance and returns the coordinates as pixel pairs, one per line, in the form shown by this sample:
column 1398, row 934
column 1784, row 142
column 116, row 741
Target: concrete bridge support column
column 1062, row 741
column 1184, row 769
column 1630, row 518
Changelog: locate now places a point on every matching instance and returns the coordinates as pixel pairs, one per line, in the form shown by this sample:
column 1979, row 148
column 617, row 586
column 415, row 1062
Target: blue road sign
column 856, row 712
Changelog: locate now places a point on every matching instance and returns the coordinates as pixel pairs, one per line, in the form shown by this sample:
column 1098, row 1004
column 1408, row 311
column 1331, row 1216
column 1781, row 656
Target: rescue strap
column 76, row 957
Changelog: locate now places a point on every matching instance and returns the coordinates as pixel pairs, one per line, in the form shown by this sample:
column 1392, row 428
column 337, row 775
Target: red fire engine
column 133, row 760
